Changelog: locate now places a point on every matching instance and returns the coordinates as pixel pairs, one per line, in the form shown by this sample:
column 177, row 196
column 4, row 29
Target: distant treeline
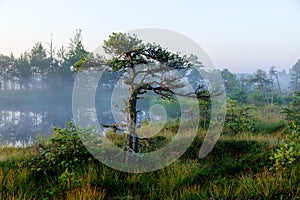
column 47, row 68
column 40, row 67
column 262, row 87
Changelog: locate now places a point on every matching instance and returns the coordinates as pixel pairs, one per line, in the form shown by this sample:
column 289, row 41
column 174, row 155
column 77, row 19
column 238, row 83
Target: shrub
column 63, row 152
column 239, row 118
column 293, row 110
column 289, row 150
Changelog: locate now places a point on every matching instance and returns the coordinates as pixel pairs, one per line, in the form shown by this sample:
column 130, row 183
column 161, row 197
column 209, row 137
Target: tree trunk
column 131, row 119
column 272, row 98
column 133, row 140
column 279, row 88
column 204, row 117
column 296, row 82
column 261, row 87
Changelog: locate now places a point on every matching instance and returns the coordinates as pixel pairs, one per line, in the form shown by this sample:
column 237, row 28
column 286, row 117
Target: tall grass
column 185, row 179
column 269, row 119
column 238, row 167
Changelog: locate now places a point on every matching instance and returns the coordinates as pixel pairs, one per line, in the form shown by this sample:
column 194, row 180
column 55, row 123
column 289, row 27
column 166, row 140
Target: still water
column 20, row 127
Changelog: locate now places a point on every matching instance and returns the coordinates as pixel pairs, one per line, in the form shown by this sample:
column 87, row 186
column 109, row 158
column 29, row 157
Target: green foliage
column 128, row 54
column 172, row 107
column 237, row 168
column 121, row 43
column 117, row 139
column 256, row 98
column 239, row 118
column 289, row 150
column 204, row 111
column 261, row 81
column 234, row 88
column 64, row 151
column 128, row 51
column 172, row 125
column 37, row 54
column 266, row 126
column 69, row 58
column 270, row 119
column 293, row 110
column 40, row 68
column 23, row 70
column 295, row 77
column 240, row 94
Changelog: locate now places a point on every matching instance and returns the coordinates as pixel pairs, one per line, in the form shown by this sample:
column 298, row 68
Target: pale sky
column 241, row 35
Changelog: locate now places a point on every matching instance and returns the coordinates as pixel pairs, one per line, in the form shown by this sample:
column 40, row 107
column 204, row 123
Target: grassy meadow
column 238, row 167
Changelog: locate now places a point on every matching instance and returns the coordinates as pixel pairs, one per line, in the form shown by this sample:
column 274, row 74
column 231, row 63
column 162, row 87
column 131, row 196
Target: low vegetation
column 249, row 164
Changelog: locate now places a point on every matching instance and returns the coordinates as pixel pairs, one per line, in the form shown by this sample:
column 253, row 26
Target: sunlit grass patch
column 12, row 153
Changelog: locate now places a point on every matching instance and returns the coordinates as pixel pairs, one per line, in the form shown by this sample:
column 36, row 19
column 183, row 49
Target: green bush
column 63, row 152
column 239, row 118
column 293, row 110
column 289, row 150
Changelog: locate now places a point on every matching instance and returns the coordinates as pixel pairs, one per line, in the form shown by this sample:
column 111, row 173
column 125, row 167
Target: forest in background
column 44, row 68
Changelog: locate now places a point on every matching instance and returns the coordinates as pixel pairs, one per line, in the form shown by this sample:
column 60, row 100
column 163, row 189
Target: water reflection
column 21, row 127
column 21, row 124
